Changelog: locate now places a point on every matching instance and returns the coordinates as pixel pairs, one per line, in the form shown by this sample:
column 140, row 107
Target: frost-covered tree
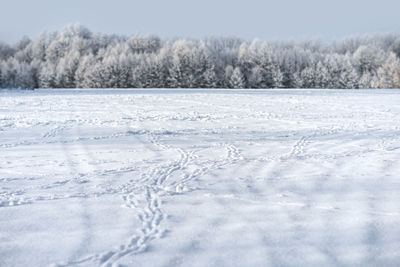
column 16, row 74
column 66, row 69
column 116, row 68
column 209, row 78
column 349, row 78
column 148, row 72
column 288, row 69
column 47, row 76
column 307, row 78
column 321, row 76
column 227, row 76
column 277, row 77
column 389, row 72
column 189, row 65
column 82, row 72
column 261, row 60
column 237, row 79
column 39, row 47
column 368, row 58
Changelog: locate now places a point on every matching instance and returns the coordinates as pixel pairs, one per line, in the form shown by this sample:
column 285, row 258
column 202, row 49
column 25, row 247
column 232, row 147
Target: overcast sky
column 264, row 19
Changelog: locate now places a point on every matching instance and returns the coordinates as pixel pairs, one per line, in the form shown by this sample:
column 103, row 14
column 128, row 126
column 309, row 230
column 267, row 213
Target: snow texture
column 200, row 178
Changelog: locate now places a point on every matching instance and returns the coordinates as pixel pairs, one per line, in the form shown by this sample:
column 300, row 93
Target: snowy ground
column 200, row 178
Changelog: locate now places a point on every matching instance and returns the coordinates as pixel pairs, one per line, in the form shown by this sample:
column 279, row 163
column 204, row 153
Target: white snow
column 200, row 178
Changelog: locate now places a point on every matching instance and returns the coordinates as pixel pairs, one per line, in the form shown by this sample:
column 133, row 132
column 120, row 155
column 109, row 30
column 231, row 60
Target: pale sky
column 263, row 19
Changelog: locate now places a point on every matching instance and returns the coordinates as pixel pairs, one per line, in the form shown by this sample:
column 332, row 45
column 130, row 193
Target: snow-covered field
column 200, row 178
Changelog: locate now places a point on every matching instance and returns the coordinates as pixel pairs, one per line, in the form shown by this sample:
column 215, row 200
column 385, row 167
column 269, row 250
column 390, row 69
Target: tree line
column 77, row 58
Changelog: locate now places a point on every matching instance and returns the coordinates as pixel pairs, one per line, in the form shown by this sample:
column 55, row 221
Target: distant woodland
column 77, row 58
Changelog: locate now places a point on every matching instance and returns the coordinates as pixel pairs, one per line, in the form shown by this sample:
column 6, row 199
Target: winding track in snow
column 285, row 156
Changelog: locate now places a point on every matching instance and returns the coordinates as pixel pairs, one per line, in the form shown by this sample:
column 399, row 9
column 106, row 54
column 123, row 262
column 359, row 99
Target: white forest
column 77, row 58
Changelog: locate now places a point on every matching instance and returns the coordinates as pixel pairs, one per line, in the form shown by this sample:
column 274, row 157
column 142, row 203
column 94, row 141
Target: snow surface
column 200, row 178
